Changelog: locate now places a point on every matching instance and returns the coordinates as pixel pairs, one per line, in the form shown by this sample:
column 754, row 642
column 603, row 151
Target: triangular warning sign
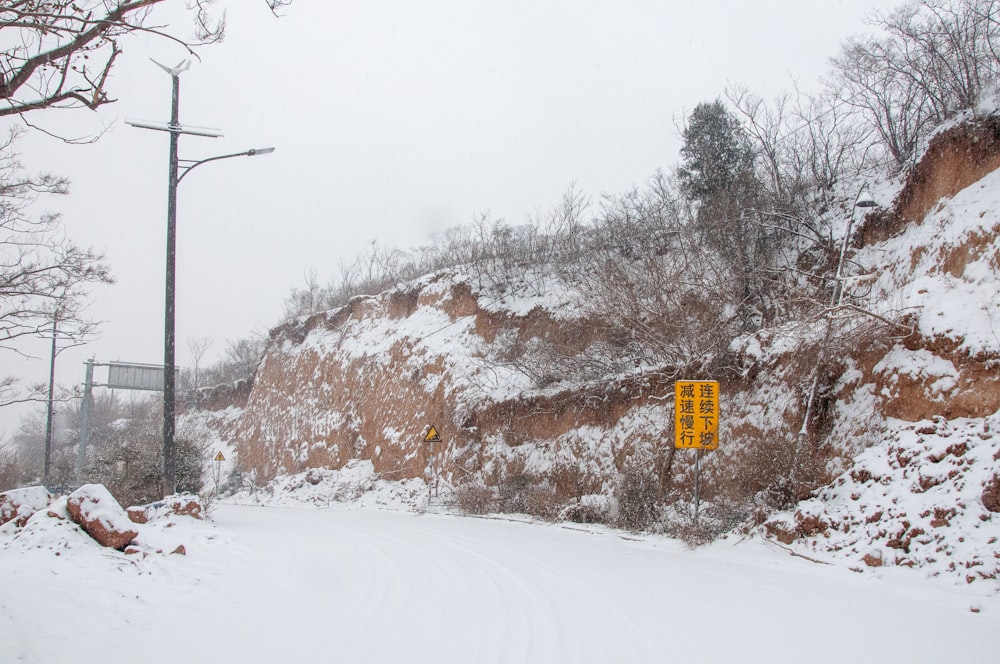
column 432, row 436
column 219, row 457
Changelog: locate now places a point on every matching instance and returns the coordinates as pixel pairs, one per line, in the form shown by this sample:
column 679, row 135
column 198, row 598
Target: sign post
column 219, row 458
column 696, row 422
column 432, row 436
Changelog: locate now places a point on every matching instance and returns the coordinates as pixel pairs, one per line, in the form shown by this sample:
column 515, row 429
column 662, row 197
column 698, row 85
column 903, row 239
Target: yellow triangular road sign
column 432, row 436
column 219, row 457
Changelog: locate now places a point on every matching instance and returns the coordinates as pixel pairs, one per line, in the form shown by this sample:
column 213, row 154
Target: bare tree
column 933, row 59
column 60, row 53
column 43, row 275
column 197, row 347
column 307, row 300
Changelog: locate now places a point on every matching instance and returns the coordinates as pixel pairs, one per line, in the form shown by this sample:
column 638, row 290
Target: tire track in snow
column 446, row 589
column 550, row 579
column 384, row 596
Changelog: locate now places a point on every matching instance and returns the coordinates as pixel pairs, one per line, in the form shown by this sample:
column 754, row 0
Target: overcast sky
column 391, row 120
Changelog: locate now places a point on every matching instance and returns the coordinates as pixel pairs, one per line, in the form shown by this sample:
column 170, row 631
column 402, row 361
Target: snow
column 17, row 502
column 914, row 500
column 914, row 275
column 939, row 374
column 355, row 584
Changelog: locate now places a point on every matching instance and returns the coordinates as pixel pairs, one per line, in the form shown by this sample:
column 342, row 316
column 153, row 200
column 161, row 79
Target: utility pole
column 169, row 387
column 88, row 400
column 48, row 414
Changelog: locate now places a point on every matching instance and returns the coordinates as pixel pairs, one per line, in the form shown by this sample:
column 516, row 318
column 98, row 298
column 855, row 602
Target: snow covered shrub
column 475, row 498
column 513, row 485
column 635, row 497
column 540, row 500
column 588, row 509
column 678, row 521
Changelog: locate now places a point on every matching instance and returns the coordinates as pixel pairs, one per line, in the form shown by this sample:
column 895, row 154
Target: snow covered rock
column 991, row 493
column 185, row 505
column 96, row 511
column 180, row 504
column 137, row 514
column 19, row 504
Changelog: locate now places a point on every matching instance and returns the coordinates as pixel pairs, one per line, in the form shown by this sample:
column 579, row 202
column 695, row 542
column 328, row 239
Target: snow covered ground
column 358, row 584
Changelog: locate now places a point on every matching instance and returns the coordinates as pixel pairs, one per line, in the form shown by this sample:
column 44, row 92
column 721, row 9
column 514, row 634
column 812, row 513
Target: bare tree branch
column 59, row 53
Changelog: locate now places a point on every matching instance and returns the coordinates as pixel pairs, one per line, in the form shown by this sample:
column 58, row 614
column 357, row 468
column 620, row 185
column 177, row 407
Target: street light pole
column 175, row 173
column 863, row 201
column 169, row 385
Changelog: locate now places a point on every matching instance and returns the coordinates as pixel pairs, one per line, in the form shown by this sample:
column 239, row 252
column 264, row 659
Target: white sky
column 391, row 120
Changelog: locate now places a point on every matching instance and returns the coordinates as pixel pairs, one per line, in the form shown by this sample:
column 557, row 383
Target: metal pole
column 697, row 477
column 838, row 288
column 88, row 398
column 169, row 422
column 48, row 415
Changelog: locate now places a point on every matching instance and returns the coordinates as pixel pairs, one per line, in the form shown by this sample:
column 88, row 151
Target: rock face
column 96, row 511
column 18, row 505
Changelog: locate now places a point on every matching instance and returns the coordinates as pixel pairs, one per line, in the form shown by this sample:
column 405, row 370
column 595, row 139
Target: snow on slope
column 946, row 269
column 915, row 498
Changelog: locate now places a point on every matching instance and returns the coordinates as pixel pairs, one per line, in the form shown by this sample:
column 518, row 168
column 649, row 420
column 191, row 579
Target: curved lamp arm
column 246, row 153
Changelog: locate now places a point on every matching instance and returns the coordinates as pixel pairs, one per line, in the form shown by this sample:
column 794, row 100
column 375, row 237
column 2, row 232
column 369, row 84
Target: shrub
column 635, row 495
column 586, row 510
column 475, row 498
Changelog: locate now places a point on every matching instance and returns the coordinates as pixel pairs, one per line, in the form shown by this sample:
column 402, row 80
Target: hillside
column 889, row 402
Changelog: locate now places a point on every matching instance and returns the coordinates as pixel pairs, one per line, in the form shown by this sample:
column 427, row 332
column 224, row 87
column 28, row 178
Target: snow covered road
column 342, row 585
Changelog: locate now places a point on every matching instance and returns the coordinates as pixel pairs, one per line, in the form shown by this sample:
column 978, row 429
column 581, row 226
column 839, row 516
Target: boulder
column 19, row 504
column 137, row 514
column 185, row 505
column 873, row 558
column 181, row 504
column 96, row 511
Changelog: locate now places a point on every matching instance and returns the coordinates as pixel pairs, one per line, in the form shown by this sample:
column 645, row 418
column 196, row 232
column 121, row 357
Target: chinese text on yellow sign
column 696, row 414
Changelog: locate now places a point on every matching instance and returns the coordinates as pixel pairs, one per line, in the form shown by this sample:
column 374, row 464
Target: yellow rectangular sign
column 696, row 414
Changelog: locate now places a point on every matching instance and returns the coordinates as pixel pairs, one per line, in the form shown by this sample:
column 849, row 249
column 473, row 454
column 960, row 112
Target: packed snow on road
column 362, row 582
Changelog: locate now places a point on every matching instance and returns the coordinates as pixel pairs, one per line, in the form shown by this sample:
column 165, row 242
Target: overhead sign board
column 132, row 376
column 696, row 414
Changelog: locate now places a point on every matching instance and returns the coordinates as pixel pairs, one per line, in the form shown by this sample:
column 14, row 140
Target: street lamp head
column 256, row 151
column 865, row 200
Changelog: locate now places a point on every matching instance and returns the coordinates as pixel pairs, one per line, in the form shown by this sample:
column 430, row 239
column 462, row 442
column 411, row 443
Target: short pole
column 88, row 399
column 697, row 478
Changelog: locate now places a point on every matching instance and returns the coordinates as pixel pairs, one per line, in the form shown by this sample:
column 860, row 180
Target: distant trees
column 124, row 453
